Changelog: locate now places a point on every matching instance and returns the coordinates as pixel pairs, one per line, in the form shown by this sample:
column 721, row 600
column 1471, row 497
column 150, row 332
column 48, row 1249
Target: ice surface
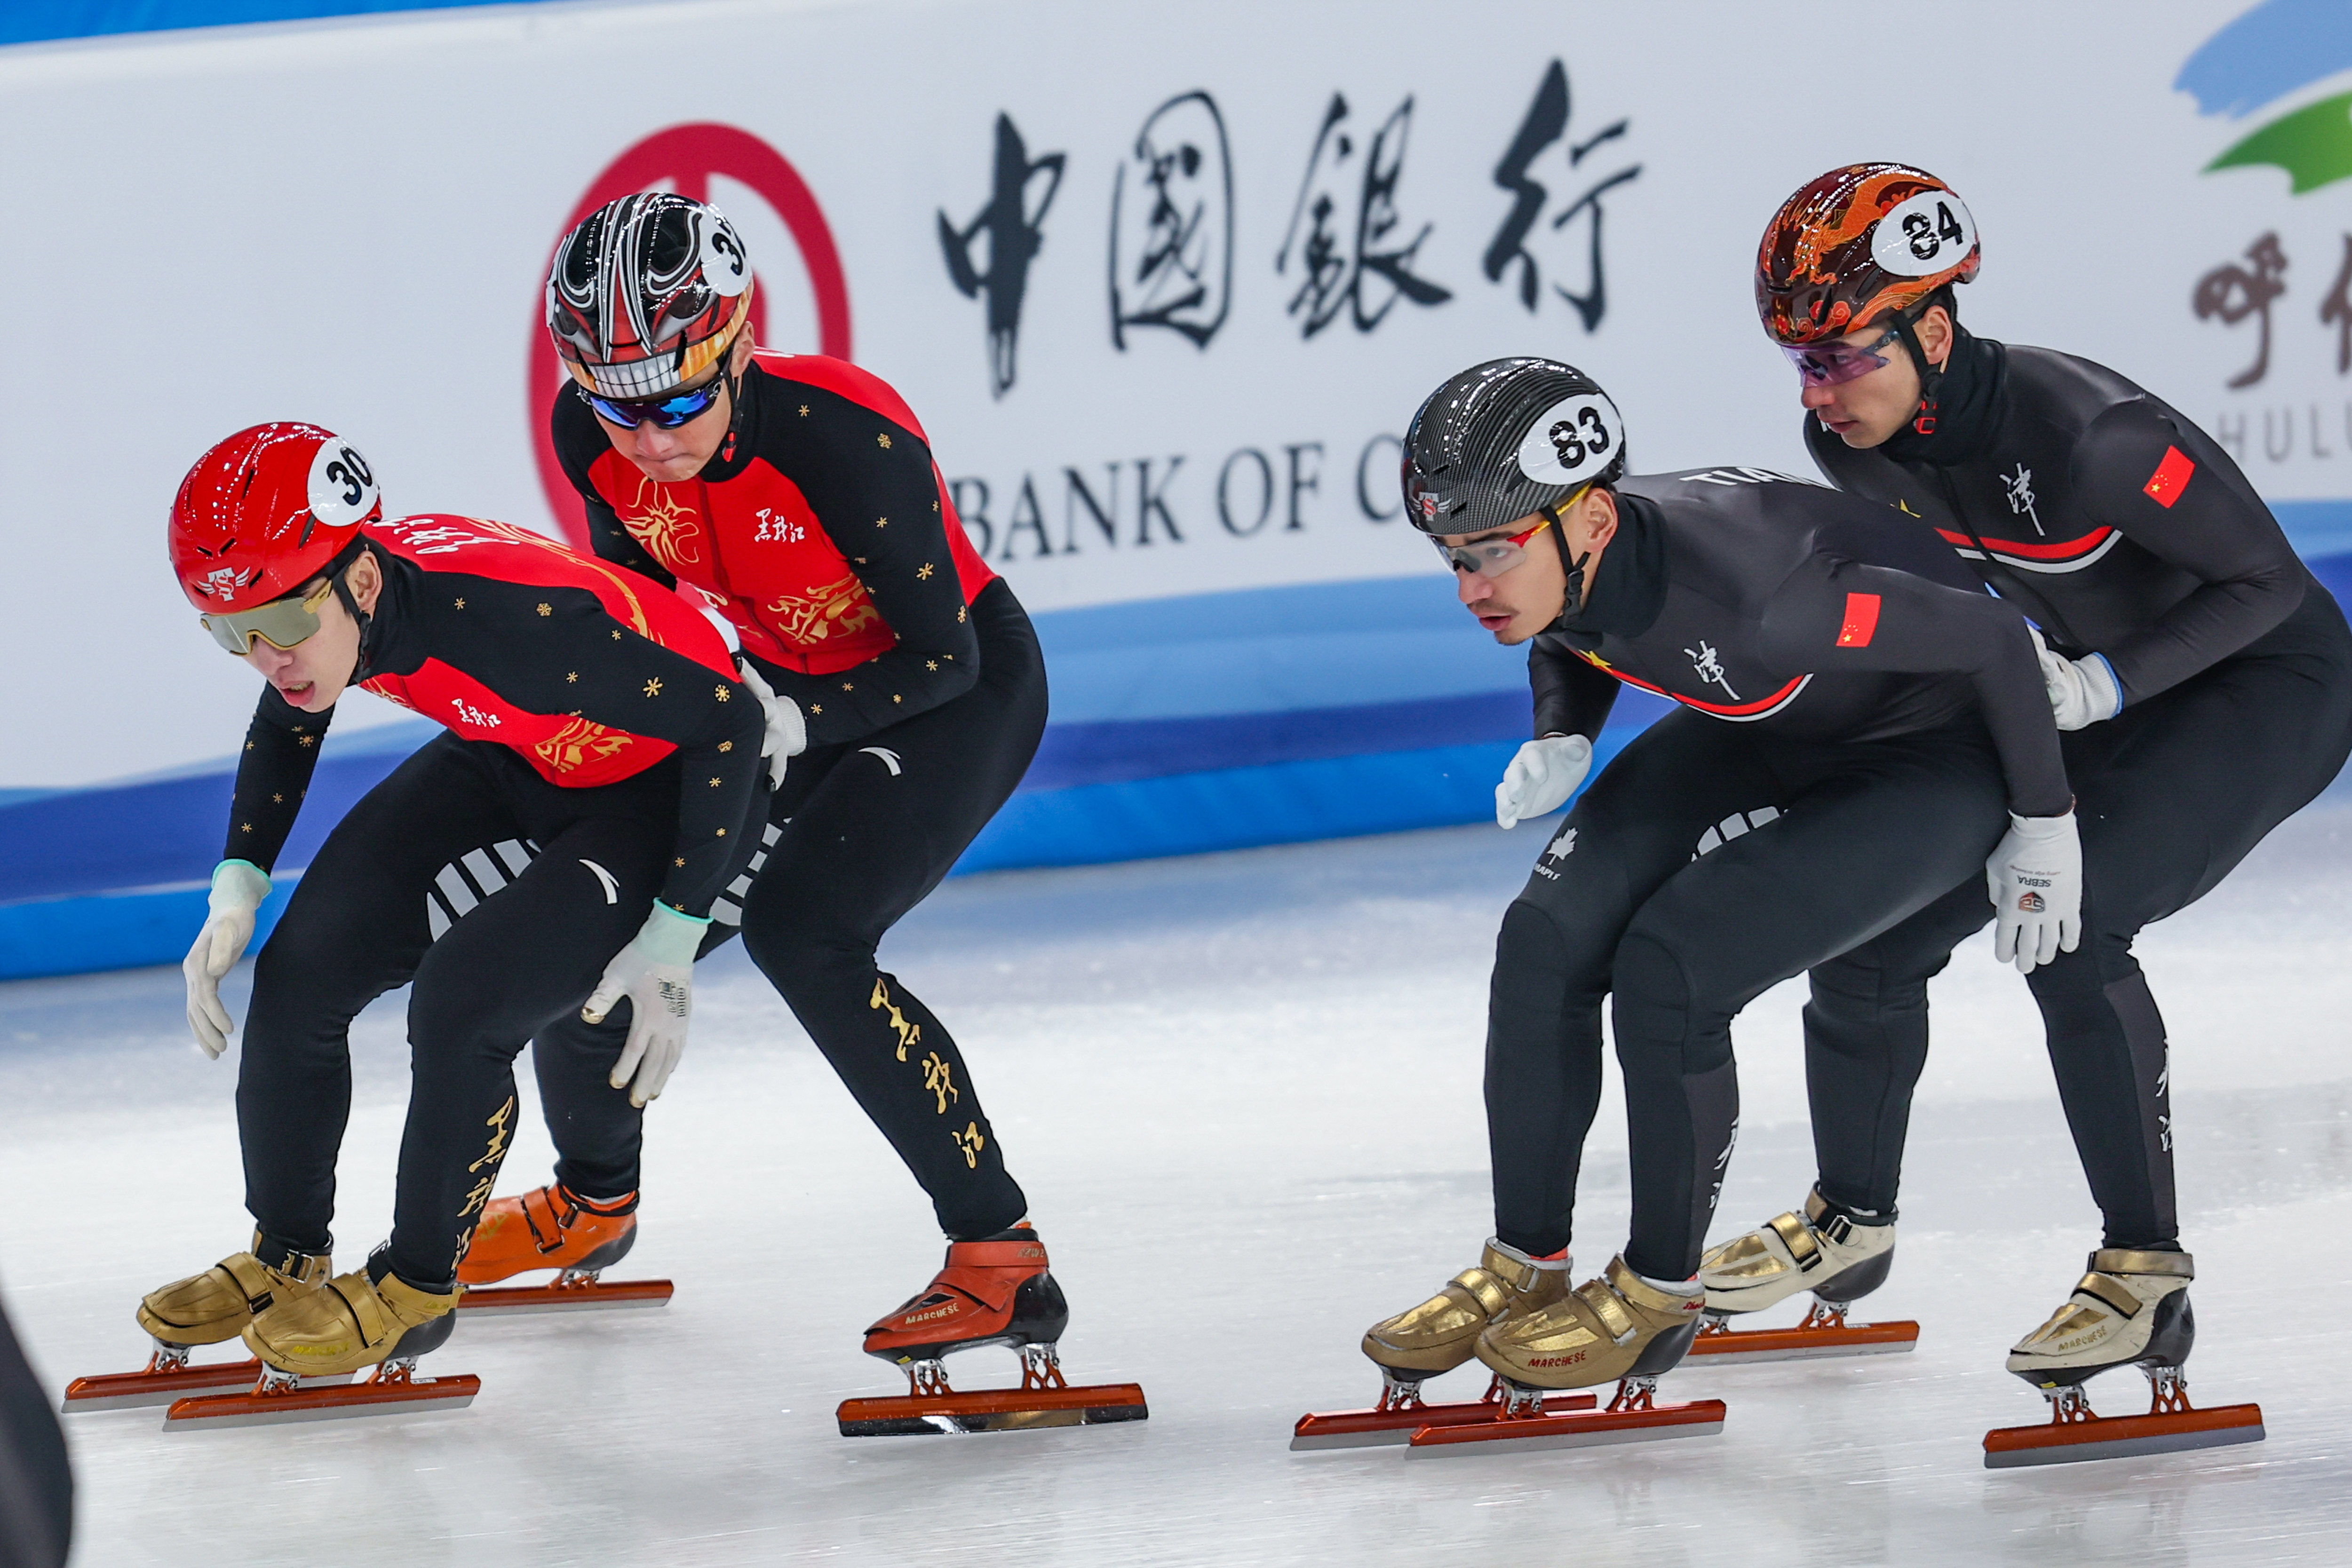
column 1243, row 1092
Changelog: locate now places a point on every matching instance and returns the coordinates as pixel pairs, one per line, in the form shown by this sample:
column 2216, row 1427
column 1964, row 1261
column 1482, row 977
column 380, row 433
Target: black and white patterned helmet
column 1507, row 439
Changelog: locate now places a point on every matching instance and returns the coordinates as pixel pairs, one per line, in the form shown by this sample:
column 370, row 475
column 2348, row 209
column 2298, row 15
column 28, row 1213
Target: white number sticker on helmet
column 1575, row 439
column 343, row 486
column 1931, row 232
column 725, row 267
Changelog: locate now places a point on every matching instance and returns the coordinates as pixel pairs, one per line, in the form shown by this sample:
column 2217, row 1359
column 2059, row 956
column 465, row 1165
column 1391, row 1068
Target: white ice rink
column 1243, row 1092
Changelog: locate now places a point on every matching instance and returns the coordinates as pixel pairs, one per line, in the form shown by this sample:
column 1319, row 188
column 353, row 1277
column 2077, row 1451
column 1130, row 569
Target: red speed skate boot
column 995, row 1290
column 553, row 1227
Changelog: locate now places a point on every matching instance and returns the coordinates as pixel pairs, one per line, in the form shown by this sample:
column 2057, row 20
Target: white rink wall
column 348, row 222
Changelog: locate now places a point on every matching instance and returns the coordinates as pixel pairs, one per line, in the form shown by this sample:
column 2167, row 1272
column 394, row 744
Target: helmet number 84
column 1927, row 238
column 1574, row 439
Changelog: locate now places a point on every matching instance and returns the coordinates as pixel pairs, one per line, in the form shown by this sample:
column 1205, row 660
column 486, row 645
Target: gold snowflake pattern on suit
column 666, row 527
column 838, row 607
column 577, row 742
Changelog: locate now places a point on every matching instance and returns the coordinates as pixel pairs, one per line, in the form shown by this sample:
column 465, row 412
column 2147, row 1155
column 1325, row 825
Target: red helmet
column 1857, row 243
column 264, row 512
column 647, row 292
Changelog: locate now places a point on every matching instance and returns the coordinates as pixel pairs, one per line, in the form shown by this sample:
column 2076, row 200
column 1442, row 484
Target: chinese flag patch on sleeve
column 2171, row 477
column 1861, row 620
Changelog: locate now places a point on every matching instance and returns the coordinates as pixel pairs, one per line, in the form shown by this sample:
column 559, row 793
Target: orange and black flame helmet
column 1856, row 244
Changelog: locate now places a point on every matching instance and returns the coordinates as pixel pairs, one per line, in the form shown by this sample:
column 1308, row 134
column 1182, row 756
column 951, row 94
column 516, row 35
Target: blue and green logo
column 2267, row 53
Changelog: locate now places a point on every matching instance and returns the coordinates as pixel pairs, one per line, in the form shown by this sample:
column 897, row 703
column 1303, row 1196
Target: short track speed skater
column 2131, row 1310
column 553, row 1227
column 1538, row 1339
column 1823, row 1249
column 995, row 1290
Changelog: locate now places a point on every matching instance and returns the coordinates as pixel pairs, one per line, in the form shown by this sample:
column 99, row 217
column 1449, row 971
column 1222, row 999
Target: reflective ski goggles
column 1833, row 364
column 281, row 622
column 662, row 413
column 1492, row 558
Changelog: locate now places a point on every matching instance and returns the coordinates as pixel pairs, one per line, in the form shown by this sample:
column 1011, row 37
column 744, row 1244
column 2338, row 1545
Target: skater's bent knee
column 1661, row 1004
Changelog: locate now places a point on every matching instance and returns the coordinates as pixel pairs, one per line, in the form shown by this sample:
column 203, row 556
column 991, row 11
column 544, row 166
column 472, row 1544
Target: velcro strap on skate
column 2117, row 1260
column 1491, row 1294
column 1027, row 1252
column 1615, row 1321
column 254, row 1277
column 2114, row 1292
column 366, row 1310
column 1797, row 1238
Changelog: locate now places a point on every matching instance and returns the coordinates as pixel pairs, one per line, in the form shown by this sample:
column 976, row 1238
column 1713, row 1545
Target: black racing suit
column 824, row 531
column 2123, row 531
column 37, row 1483
column 592, row 716
column 1858, row 717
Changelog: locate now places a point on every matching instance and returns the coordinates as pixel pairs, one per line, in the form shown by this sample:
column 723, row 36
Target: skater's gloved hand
column 787, row 731
column 656, row 972
column 2036, row 880
column 238, row 888
column 1544, row 774
column 2082, row 691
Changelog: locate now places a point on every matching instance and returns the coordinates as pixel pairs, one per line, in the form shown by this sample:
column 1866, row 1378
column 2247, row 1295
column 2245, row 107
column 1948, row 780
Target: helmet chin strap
column 734, row 402
column 366, row 622
column 1573, row 601
column 1931, row 377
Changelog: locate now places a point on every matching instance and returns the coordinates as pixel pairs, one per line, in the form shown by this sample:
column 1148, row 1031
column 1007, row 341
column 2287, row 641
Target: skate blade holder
column 569, row 1291
column 1396, row 1420
column 1632, row 1417
column 1044, row 1399
column 1824, row 1333
column 2074, row 1434
column 166, row 1385
column 394, row 1390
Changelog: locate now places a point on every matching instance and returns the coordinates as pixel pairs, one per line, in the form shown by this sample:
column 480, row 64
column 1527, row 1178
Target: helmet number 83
column 1927, row 239
column 1574, row 439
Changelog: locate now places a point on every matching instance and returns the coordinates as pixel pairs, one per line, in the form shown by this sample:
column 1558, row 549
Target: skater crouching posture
column 590, row 713
column 798, row 493
column 2202, row 678
column 1855, row 716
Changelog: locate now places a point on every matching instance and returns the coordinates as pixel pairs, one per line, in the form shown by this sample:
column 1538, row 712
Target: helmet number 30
column 342, row 485
column 1573, row 440
column 1931, row 232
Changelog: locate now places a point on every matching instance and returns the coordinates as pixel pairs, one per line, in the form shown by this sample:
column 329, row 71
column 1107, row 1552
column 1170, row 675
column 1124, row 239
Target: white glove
column 787, row 731
column 2036, row 880
column 2082, row 691
column 238, row 888
column 1543, row 775
column 656, row 972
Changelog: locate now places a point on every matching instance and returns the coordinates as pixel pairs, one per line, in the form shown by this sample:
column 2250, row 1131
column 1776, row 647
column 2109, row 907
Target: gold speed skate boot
column 1819, row 1249
column 352, row 1321
column 2132, row 1308
column 217, row 1304
column 1442, row 1332
column 1616, row 1326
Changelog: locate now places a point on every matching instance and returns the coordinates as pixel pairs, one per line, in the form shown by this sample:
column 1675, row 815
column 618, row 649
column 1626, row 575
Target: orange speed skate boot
column 995, row 1290
column 553, row 1227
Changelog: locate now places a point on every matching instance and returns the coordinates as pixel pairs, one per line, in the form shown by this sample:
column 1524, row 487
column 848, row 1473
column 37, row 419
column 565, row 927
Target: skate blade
column 1697, row 1419
column 1365, row 1429
column 991, row 1411
column 1733, row 1346
column 491, row 1301
column 131, row 1390
column 422, row 1396
column 2122, row 1437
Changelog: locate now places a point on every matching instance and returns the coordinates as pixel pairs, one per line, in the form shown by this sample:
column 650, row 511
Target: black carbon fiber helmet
column 1506, row 439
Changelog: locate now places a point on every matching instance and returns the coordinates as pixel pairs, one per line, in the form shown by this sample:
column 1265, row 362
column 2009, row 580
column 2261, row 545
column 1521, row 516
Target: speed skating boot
column 203, row 1309
column 2131, row 1309
column 350, row 1321
column 1838, row 1256
column 1617, row 1326
column 549, row 1227
column 998, row 1289
column 1441, row 1332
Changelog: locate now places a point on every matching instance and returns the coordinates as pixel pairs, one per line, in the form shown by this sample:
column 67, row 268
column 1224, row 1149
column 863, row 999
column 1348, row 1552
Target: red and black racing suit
column 591, row 713
column 1855, row 716
column 2124, row 532
column 824, row 531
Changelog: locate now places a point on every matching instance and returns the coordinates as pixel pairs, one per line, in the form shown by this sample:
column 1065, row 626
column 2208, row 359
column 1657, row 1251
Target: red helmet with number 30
column 266, row 511
column 1857, row 243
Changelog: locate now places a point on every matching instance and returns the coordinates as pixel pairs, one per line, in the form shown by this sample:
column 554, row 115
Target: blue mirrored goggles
column 663, row 413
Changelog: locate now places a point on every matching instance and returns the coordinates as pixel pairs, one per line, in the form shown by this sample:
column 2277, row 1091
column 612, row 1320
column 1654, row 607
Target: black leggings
column 357, row 926
column 860, row 834
column 2171, row 794
column 1705, row 864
